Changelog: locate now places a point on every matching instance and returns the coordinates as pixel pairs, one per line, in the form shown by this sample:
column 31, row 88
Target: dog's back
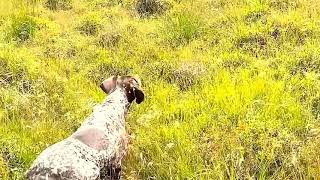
column 69, row 159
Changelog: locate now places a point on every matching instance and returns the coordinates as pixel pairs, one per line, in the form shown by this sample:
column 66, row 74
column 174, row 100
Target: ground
column 232, row 87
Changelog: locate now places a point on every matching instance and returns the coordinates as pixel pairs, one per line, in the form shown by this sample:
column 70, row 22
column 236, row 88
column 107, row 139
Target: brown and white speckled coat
column 96, row 149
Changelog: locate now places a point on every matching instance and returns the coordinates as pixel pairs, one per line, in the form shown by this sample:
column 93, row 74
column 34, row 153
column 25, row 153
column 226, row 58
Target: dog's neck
column 118, row 95
column 111, row 112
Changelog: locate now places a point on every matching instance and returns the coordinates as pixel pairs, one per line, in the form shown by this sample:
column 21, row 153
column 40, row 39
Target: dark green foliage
column 58, row 4
column 147, row 8
column 23, row 27
column 89, row 27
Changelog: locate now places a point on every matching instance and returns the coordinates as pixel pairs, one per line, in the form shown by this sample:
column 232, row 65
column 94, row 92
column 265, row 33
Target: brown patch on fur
column 93, row 138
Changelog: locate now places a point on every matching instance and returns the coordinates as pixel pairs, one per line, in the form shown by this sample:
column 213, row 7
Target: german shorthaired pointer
column 96, row 149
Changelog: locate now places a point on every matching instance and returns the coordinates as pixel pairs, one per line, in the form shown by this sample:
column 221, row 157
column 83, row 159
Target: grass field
column 232, row 87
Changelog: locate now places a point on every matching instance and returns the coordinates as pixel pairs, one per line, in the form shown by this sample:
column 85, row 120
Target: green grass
column 232, row 87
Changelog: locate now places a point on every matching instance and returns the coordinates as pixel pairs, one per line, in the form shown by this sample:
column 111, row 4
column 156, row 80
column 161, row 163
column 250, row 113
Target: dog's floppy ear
column 109, row 84
column 139, row 95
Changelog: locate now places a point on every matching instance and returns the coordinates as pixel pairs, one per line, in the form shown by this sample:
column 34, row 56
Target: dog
column 96, row 149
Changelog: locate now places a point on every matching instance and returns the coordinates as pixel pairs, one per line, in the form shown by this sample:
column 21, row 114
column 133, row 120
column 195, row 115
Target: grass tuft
column 252, row 43
column 255, row 16
column 146, row 8
column 283, row 5
column 13, row 163
column 181, row 28
column 89, row 26
column 58, row 4
column 22, row 28
column 187, row 75
column 109, row 39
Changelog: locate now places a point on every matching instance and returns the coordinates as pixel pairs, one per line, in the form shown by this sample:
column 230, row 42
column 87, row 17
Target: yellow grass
column 232, row 87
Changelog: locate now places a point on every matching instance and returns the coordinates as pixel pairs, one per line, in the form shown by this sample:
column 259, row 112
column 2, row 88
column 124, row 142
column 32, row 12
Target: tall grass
column 232, row 87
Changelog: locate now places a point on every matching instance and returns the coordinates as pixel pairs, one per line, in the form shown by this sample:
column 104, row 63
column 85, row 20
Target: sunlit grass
column 232, row 87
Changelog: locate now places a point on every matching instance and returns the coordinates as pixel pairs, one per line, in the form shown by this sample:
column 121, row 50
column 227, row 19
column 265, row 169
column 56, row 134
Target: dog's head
column 129, row 84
